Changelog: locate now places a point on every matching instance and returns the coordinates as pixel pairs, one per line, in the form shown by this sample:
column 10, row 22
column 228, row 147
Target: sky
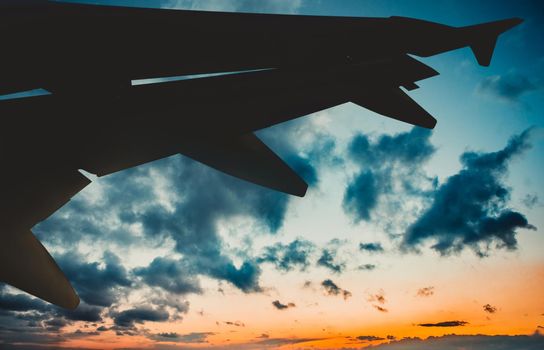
column 407, row 238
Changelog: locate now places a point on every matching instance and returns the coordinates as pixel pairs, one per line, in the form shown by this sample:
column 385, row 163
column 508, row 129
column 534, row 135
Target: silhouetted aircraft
column 97, row 118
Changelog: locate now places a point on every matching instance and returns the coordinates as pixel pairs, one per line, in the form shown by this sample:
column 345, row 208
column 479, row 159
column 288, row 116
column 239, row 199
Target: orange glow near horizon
column 517, row 297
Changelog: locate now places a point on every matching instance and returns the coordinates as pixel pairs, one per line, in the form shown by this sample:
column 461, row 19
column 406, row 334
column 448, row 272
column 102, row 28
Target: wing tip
column 300, row 191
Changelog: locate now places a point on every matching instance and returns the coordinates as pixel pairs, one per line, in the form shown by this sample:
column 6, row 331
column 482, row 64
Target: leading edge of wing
column 247, row 158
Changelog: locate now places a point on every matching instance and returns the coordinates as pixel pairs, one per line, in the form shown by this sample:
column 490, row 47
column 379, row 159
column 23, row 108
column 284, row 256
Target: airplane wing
column 395, row 103
column 28, row 197
column 27, row 265
column 248, row 158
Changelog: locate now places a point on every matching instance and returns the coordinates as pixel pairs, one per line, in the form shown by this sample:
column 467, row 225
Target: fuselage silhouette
column 97, row 117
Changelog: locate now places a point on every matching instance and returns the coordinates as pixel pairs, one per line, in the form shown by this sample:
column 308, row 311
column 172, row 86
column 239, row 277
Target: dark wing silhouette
column 28, row 197
column 248, row 158
column 396, row 104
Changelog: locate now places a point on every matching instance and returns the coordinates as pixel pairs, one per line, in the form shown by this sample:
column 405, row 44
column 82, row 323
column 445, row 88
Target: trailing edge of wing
column 27, row 265
column 396, row 104
column 248, row 158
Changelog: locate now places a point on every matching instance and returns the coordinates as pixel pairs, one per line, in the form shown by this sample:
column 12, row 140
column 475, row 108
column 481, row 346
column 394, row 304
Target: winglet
column 27, row 265
column 483, row 37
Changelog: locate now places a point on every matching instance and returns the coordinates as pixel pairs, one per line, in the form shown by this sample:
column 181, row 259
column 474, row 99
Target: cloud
column 489, row 309
column 20, row 302
column 95, row 285
column 170, row 275
column 444, row 324
column 470, row 208
column 371, row 247
column 378, row 297
column 190, row 338
column 508, row 87
column 285, row 341
column 28, row 320
column 473, row 342
column 390, row 164
column 367, row 267
column 332, row 289
column 327, row 259
column 367, row 338
column 380, row 308
column 530, row 201
column 84, row 312
column 425, row 292
column 287, row 257
column 127, row 318
column 281, row 306
column 235, row 323
column 171, row 200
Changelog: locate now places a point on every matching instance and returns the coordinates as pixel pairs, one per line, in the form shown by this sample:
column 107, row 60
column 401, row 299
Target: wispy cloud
column 444, row 324
column 425, row 292
column 509, row 87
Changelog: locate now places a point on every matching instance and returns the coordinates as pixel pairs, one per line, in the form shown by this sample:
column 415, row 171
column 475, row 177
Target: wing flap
column 395, row 103
column 27, row 265
column 248, row 158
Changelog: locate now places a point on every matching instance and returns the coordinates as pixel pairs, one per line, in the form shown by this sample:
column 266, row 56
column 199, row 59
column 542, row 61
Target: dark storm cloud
column 84, row 312
column 472, row 342
column 371, row 247
column 425, row 292
column 332, row 289
column 327, row 259
column 171, row 275
column 287, row 257
column 444, row 324
column 470, row 208
column 20, row 302
column 55, row 324
column 489, row 308
column 96, row 285
column 278, row 305
column 508, row 87
column 128, row 318
column 28, row 320
column 381, row 162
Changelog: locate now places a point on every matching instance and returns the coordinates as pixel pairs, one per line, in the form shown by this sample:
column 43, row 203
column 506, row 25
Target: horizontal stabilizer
column 395, row 103
column 248, row 158
column 27, row 265
column 484, row 37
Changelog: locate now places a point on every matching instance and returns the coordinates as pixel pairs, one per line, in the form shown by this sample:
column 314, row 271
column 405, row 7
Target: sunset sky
column 406, row 239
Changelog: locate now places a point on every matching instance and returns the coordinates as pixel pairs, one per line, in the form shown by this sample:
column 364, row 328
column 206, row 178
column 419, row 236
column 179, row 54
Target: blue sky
column 402, row 228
